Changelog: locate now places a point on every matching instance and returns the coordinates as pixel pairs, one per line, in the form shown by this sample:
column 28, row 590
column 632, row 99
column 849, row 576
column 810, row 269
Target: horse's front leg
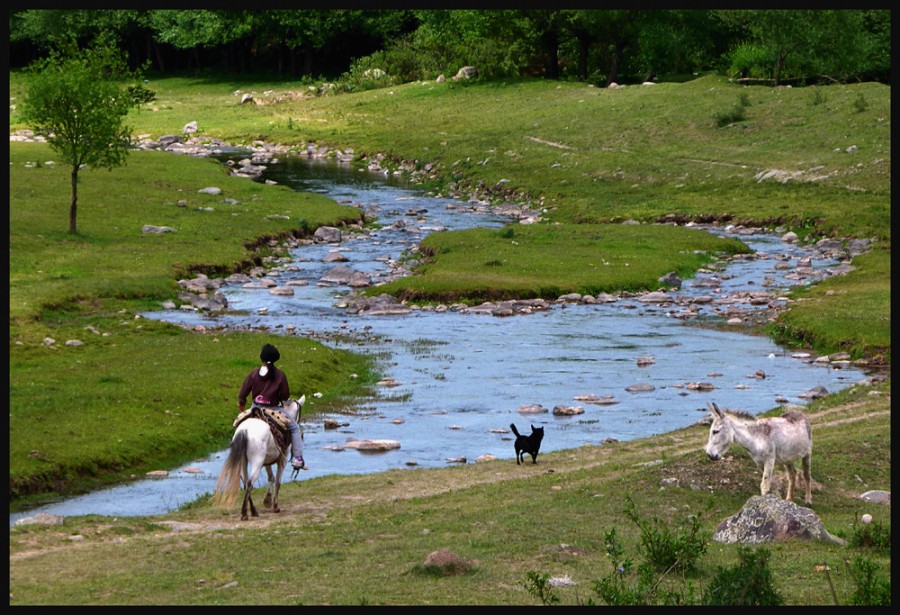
column 278, row 475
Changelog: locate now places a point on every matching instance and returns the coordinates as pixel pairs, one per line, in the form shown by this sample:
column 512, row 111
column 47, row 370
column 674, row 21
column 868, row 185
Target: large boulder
column 768, row 518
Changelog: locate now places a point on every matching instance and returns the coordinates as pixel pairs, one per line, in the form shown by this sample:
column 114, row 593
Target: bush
column 872, row 589
column 737, row 114
column 818, row 97
column 538, row 585
column 666, row 549
column 615, row 589
column 751, row 60
column 750, row 583
column 874, row 535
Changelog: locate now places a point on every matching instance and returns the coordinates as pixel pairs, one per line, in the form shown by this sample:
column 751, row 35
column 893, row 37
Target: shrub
column 874, row 535
column 750, row 583
column 725, row 118
column 538, row 585
column 818, row 97
column 871, row 588
column 667, row 549
column 615, row 589
column 751, row 60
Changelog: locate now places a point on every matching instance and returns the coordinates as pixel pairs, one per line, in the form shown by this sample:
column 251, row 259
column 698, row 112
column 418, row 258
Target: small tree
column 78, row 101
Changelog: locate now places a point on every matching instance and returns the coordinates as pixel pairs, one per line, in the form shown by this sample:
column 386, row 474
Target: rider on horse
column 269, row 387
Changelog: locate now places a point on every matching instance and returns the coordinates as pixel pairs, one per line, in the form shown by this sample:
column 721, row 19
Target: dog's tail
column 513, row 427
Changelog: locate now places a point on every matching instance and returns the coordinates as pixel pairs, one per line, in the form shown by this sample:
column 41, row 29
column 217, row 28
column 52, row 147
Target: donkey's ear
column 715, row 409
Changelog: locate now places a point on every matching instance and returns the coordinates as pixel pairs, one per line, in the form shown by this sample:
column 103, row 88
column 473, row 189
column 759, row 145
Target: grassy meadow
column 139, row 395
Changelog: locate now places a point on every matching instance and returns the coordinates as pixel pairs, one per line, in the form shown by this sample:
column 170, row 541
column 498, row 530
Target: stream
column 455, row 379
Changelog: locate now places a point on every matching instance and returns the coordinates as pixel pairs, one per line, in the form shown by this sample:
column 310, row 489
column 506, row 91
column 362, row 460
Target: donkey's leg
column 807, row 461
column 791, row 480
column 765, row 487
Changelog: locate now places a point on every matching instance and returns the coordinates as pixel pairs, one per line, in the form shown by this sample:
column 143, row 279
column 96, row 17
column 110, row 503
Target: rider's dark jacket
column 268, row 391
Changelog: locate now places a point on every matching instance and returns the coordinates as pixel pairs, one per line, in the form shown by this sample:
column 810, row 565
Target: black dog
column 528, row 444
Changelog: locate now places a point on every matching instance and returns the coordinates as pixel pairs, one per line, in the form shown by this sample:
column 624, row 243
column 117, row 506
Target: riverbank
column 198, row 150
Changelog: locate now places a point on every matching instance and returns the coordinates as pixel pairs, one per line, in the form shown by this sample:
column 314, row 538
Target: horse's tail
column 228, row 484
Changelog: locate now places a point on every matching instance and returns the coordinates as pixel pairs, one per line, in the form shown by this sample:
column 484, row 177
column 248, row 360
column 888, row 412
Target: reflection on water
column 461, row 379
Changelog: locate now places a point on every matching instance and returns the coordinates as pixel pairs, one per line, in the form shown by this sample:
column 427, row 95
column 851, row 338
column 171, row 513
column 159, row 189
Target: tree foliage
column 594, row 45
column 77, row 100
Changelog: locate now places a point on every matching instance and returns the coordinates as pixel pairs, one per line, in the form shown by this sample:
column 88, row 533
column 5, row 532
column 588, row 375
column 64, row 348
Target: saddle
column 278, row 423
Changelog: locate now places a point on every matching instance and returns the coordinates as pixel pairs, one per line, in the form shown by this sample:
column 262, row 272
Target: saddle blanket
column 266, row 414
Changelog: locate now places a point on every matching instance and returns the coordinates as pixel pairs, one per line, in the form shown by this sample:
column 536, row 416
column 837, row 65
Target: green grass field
column 139, row 395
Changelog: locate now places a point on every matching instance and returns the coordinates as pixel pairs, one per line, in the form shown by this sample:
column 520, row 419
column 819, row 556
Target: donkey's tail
column 514, row 430
column 228, row 484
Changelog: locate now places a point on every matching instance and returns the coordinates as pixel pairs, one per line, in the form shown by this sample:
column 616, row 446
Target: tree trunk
column 73, row 207
column 307, row 62
column 551, row 47
column 614, row 65
column 779, row 62
column 584, row 46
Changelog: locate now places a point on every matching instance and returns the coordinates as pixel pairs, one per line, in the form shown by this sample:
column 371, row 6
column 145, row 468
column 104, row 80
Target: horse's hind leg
column 248, row 499
column 807, row 462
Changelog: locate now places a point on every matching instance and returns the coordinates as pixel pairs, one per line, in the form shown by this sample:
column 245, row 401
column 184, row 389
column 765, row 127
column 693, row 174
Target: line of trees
column 598, row 46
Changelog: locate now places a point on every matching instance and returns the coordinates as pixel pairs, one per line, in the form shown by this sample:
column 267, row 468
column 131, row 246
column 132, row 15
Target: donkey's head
column 721, row 433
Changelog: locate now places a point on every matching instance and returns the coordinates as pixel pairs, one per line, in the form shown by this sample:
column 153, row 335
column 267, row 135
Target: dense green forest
column 371, row 48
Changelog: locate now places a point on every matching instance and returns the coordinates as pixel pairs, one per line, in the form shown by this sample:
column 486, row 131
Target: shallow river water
column 455, row 381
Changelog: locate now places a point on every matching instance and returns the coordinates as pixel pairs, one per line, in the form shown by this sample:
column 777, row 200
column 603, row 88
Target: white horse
column 252, row 448
column 773, row 441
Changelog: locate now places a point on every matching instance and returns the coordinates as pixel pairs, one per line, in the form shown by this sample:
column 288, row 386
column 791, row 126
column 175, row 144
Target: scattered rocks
column 602, row 400
column 567, row 410
column 640, row 388
column 151, row 228
column 814, row 393
column 41, row 519
column 334, row 424
column 372, row 446
column 876, row 496
column 466, row 72
column 532, row 409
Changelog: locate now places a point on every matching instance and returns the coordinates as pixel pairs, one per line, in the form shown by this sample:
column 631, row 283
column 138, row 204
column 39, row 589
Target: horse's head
column 293, row 406
column 721, row 433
